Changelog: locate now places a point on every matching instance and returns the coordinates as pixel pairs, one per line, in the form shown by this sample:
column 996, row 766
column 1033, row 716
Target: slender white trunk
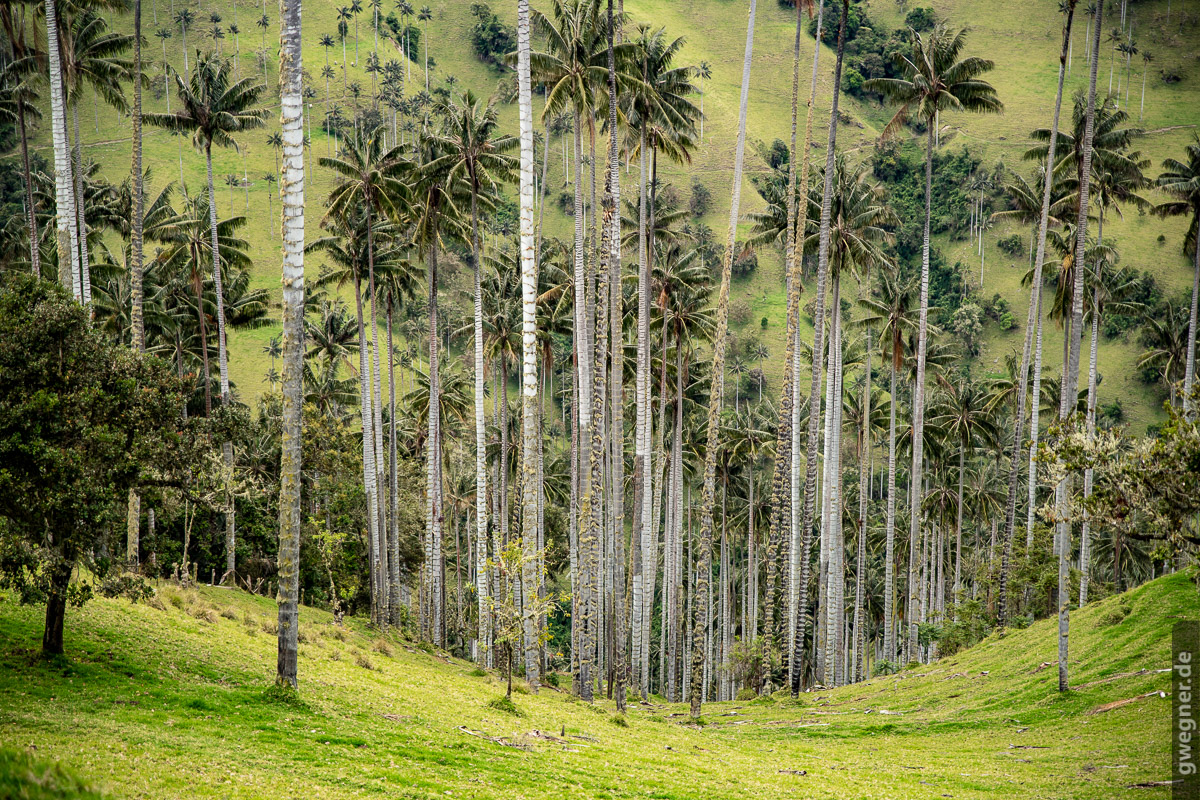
column 292, row 189
column 64, row 196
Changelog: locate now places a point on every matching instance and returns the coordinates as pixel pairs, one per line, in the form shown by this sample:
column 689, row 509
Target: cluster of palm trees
column 705, row 519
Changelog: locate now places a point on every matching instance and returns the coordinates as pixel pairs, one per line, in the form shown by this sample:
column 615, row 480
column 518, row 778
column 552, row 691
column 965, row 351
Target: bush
column 920, row 19
column 506, row 705
column 852, row 82
column 745, row 262
column 1011, row 244
column 746, row 694
column 490, row 39
column 1114, row 616
column 1111, row 414
column 886, row 668
column 701, row 199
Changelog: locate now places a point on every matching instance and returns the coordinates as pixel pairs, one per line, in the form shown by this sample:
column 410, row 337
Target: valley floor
column 168, row 699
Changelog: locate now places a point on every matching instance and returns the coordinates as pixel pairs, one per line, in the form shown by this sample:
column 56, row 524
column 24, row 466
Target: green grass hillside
column 1022, row 37
column 168, row 699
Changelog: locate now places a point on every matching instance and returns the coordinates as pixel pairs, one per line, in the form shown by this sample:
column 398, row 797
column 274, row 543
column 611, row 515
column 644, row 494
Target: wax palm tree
column 889, row 310
column 188, row 236
column 1165, row 338
column 934, row 78
column 480, row 156
column 369, row 185
column 213, row 109
column 92, row 56
column 425, row 15
column 434, row 213
column 184, row 19
column 1181, row 180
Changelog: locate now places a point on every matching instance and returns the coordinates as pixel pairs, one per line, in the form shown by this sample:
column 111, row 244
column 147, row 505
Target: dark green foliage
column 745, row 262
column 856, row 19
column 506, row 705
column 284, row 695
column 1110, row 414
column 920, row 19
column 490, row 38
column 701, row 200
column 82, row 421
column 407, row 37
column 1148, row 293
column 1011, row 245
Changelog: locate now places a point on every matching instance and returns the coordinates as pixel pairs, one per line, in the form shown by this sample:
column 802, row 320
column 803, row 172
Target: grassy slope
column 1022, row 39
column 160, row 702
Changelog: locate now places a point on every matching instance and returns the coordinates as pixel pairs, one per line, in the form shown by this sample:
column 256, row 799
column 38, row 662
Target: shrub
column 490, row 39
column 746, row 694
column 364, row 662
column 1114, row 616
column 383, row 647
column 701, row 199
column 886, row 668
column 619, row 721
column 920, row 19
column 1011, row 244
column 506, row 705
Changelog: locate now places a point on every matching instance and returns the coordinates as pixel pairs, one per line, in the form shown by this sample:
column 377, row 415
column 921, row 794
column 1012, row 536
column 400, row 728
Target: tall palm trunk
column 381, row 548
column 370, row 474
column 529, row 386
column 702, row 585
column 85, row 278
column 918, row 426
column 1085, row 551
column 781, row 496
column 814, row 396
column 889, row 567
column 394, row 602
column 292, row 188
column 641, row 439
column 864, row 448
column 64, row 195
column 484, row 633
column 1189, row 371
column 1070, row 386
column 137, row 323
column 616, row 369
column 434, row 514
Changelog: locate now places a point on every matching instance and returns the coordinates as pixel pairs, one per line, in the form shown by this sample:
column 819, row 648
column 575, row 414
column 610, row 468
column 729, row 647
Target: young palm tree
column 425, row 15
column 1181, row 181
column 934, row 80
column 213, row 109
column 708, row 500
column 480, row 156
column 291, row 68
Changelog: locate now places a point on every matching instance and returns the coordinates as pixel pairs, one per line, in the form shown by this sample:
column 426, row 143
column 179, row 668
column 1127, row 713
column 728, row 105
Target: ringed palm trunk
column 616, row 370
column 889, row 568
column 381, row 547
column 85, row 278
column 138, row 333
column 64, row 194
column 702, row 585
column 918, row 427
column 781, row 506
column 641, row 522
column 292, row 190
column 529, row 385
column 1068, row 398
column 814, row 397
column 366, row 415
column 1085, row 551
column 433, row 512
column 484, row 634
column 864, row 448
column 394, row 487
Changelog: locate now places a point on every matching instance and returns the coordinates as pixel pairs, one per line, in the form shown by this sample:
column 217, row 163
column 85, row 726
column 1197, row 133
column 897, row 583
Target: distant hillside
column 1021, row 37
